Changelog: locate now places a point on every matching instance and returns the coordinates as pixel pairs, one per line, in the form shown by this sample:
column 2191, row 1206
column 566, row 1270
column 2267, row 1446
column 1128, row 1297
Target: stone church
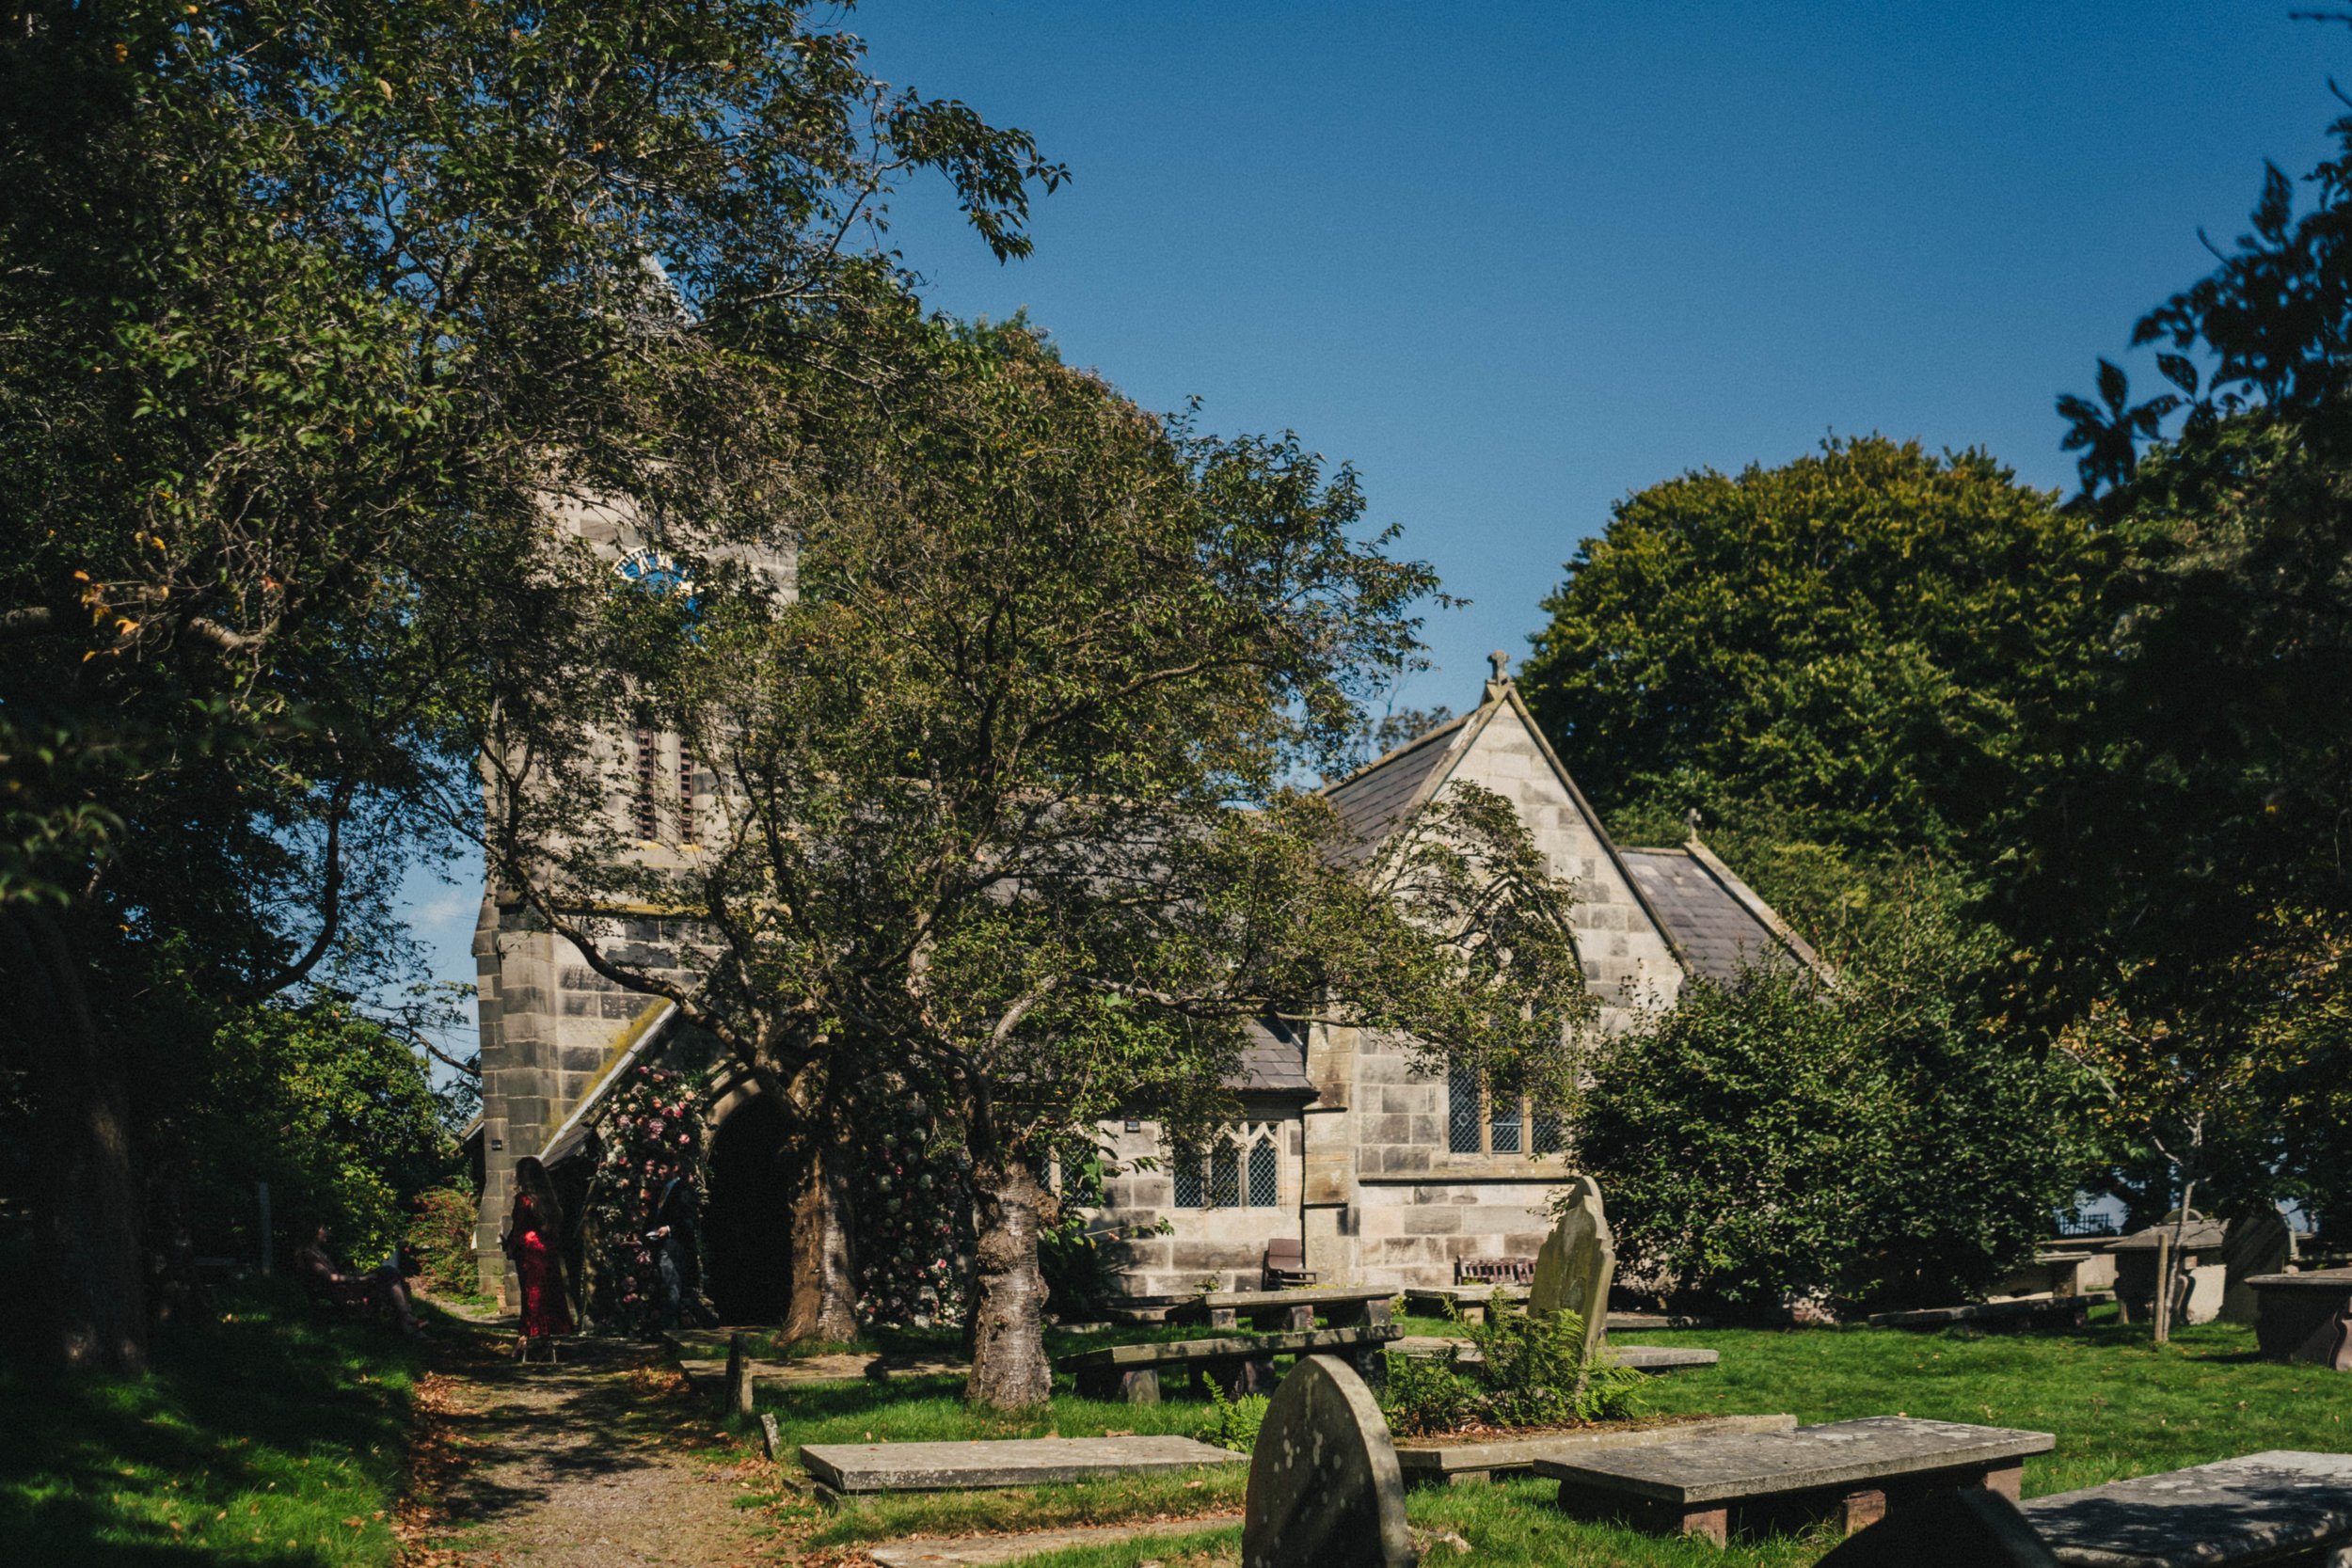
column 1384, row 1176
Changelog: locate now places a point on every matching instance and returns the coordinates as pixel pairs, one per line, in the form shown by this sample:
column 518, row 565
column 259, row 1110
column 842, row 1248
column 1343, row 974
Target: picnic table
column 1242, row 1364
column 1849, row 1470
column 1364, row 1304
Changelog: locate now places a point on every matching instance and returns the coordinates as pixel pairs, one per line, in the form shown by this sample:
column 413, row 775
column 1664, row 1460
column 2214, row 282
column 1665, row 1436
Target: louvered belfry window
column 648, row 772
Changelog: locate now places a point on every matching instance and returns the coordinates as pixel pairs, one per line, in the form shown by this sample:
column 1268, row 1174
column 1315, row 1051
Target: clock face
column 654, row 571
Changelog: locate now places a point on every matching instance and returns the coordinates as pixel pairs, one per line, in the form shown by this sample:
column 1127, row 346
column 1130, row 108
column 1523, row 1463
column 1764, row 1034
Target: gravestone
column 1577, row 1264
column 1324, row 1490
column 739, row 1387
column 2259, row 1241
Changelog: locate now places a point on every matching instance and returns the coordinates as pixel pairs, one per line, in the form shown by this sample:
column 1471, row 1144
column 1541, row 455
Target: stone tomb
column 1439, row 1462
column 1010, row 1462
column 2277, row 1508
column 1324, row 1490
column 1578, row 1260
column 1850, row 1471
column 2305, row 1317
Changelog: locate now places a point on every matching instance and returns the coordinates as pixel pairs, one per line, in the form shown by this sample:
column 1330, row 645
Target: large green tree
column 1001, row 812
column 305, row 313
column 1864, row 647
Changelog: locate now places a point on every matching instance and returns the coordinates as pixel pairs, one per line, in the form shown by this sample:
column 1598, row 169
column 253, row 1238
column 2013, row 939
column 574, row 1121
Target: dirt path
column 605, row 1462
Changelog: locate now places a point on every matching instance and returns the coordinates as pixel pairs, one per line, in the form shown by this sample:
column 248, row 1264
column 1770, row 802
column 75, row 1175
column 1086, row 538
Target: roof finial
column 1691, row 818
column 1501, row 664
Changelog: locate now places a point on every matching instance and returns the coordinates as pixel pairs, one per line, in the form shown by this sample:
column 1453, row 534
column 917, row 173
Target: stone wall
column 550, row 1029
column 1224, row 1245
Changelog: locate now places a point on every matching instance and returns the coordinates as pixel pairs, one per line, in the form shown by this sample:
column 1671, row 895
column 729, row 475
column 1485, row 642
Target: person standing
column 671, row 1231
column 535, row 1240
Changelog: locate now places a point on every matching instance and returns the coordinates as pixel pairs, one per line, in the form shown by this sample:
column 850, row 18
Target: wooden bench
column 1494, row 1271
column 2280, row 1508
column 1848, row 1471
column 1241, row 1364
column 1365, row 1305
column 1284, row 1266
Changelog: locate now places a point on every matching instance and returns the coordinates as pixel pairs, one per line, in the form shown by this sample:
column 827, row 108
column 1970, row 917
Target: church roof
column 1715, row 922
column 1273, row 1061
column 1375, row 798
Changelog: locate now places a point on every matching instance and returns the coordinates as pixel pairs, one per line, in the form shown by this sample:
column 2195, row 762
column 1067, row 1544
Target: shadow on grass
column 265, row 1438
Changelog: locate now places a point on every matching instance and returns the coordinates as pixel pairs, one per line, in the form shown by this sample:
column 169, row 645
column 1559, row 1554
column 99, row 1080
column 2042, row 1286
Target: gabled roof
column 1716, row 923
column 1377, row 796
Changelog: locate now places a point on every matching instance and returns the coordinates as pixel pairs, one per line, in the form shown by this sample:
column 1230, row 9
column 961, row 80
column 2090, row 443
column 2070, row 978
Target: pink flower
column 683, row 1140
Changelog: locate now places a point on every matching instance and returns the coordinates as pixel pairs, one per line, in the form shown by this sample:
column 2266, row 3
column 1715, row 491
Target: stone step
column 983, row 1551
column 1005, row 1461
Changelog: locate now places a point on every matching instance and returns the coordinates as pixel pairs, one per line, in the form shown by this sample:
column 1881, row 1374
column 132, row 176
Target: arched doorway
column 747, row 1253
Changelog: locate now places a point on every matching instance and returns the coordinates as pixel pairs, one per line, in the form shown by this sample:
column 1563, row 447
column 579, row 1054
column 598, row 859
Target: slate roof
column 1273, row 1061
column 1374, row 799
column 1715, row 922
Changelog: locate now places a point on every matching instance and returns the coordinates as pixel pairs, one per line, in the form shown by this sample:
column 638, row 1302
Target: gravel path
column 605, row 1462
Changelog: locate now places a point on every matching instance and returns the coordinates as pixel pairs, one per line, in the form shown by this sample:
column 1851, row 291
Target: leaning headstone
column 739, row 1388
column 1577, row 1264
column 1325, row 1491
column 770, row 1437
column 2257, row 1242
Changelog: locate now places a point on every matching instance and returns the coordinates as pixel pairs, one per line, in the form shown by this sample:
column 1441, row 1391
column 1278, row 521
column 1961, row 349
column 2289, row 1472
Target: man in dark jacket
column 673, row 1231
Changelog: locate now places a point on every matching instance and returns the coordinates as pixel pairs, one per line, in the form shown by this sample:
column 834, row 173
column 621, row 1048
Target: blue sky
column 1515, row 260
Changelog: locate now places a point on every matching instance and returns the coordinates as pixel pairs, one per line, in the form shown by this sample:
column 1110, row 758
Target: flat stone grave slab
column 2261, row 1508
column 1641, row 1358
column 1434, row 1461
column 1848, row 1470
column 2072, row 1312
column 1296, row 1309
column 1004, row 1462
column 1244, row 1363
column 983, row 1551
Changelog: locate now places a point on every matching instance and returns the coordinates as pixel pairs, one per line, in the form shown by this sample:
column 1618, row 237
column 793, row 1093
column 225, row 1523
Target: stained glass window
column 1261, row 1176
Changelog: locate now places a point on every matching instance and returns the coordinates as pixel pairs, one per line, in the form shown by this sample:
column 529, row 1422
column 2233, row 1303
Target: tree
column 1865, row 645
column 304, row 314
column 1002, row 815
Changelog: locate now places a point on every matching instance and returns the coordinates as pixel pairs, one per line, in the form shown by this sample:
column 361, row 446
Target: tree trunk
column 1008, row 1367
column 92, row 1278
column 823, row 1302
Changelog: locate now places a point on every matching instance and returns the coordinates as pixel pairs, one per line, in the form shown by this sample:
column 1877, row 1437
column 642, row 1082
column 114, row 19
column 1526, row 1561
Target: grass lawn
column 267, row 1438
column 2117, row 1406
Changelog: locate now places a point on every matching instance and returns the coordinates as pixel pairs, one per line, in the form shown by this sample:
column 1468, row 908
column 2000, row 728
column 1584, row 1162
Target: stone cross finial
column 1692, row 818
column 1501, row 663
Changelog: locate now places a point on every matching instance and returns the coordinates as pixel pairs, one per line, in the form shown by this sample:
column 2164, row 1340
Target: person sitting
column 383, row 1291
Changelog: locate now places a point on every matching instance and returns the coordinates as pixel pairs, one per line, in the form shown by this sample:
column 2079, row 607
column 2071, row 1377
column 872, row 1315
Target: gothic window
column 1502, row 1124
column 1262, row 1173
column 1238, row 1169
column 1224, row 1174
column 1547, row 1131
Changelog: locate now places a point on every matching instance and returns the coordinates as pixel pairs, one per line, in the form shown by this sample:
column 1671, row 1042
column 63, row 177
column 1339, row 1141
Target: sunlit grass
column 267, row 1438
column 2117, row 1405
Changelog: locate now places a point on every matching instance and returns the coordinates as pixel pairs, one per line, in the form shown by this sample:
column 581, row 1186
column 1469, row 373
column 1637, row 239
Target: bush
column 440, row 1240
column 1775, row 1143
column 1530, row 1373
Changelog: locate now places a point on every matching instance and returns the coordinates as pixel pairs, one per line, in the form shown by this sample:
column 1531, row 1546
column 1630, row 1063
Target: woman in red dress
column 535, row 1240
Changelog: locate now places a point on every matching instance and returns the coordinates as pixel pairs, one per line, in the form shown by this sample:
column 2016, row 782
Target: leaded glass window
column 1503, row 1125
column 1224, row 1176
column 1185, row 1165
column 1547, row 1131
column 1462, row 1112
column 1262, row 1193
